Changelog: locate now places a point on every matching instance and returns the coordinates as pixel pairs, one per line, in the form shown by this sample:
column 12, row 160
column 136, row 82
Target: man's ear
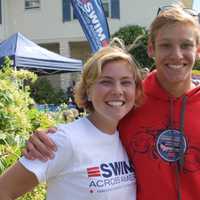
column 150, row 49
column 198, row 53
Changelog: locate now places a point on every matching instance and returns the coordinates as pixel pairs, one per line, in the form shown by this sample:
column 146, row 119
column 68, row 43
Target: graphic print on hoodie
column 141, row 135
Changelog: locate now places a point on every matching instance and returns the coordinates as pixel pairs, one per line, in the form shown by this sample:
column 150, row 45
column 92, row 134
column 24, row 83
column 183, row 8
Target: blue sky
column 196, row 5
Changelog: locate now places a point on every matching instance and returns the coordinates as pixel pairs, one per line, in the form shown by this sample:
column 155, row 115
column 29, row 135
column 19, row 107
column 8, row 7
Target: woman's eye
column 127, row 83
column 105, row 82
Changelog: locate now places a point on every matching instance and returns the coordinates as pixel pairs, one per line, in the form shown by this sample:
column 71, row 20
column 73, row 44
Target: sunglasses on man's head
column 190, row 11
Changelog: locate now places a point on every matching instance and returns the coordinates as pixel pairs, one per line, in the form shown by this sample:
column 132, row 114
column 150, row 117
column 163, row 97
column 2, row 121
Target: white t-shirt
column 88, row 165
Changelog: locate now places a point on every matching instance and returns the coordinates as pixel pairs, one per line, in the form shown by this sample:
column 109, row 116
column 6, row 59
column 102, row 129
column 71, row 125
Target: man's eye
column 186, row 45
column 165, row 45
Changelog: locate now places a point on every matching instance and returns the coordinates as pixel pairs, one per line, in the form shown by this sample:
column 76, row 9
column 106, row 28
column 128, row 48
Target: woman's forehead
column 116, row 64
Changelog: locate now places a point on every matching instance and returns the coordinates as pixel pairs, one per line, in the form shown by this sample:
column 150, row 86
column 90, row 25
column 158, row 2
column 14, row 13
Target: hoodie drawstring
column 180, row 162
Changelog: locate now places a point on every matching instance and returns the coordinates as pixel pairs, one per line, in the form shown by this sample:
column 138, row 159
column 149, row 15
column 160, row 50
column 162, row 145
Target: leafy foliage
column 14, row 104
column 196, row 72
column 17, row 119
column 43, row 93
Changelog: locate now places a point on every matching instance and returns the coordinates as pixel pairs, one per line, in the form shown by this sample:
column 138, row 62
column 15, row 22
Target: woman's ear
column 88, row 95
column 150, row 49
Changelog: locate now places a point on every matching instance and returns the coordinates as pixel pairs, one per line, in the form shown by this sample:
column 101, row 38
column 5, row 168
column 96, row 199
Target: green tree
column 135, row 38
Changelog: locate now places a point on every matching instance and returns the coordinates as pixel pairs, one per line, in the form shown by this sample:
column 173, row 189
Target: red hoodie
column 154, row 153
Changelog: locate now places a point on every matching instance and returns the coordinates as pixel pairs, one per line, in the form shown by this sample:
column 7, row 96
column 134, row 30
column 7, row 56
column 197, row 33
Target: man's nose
column 177, row 53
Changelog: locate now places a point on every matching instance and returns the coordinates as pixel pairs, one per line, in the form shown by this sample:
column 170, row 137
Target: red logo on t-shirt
column 93, row 172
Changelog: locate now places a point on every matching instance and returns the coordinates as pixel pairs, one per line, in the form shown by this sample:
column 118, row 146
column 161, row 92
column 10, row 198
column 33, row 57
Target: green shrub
column 17, row 120
column 43, row 93
column 19, row 117
column 196, row 72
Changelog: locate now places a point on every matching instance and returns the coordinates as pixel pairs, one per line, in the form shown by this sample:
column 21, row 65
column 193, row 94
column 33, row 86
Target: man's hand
column 40, row 146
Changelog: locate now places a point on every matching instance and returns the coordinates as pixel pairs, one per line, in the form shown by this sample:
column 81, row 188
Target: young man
column 162, row 137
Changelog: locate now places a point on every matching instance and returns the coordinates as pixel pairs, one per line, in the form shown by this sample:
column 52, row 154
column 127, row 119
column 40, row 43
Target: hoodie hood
column 153, row 88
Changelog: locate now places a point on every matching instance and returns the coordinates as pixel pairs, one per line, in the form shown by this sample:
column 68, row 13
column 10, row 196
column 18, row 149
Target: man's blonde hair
column 93, row 69
column 174, row 13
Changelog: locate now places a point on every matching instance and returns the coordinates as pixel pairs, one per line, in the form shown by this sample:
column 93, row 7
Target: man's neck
column 178, row 89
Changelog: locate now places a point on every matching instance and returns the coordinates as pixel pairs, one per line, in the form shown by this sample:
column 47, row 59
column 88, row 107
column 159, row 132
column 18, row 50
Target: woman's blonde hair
column 175, row 13
column 93, row 68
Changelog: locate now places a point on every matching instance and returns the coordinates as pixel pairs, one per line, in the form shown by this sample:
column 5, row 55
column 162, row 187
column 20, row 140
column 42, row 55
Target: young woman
column 90, row 162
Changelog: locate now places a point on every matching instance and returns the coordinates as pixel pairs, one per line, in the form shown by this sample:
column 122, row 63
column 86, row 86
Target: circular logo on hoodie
column 171, row 145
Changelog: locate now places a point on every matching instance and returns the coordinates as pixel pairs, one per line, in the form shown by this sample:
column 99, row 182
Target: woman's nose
column 118, row 89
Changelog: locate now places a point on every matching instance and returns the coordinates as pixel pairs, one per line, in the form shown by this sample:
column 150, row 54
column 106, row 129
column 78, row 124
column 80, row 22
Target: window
column 72, row 11
column 115, row 9
column 0, row 13
column 66, row 10
column 30, row 4
column 106, row 7
column 111, row 8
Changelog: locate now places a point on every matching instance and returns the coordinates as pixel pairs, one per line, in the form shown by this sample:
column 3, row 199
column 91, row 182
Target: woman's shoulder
column 76, row 124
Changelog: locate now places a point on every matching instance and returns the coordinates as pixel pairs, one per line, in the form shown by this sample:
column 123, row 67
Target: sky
column 196, row 5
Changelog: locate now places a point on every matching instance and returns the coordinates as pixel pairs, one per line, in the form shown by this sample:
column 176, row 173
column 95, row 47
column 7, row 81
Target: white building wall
column 4, row 25
column 137, row 12
column 45, row 25
column 46, row 22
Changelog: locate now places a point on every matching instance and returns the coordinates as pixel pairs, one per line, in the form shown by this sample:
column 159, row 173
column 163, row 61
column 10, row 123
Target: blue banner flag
column 91, row 16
